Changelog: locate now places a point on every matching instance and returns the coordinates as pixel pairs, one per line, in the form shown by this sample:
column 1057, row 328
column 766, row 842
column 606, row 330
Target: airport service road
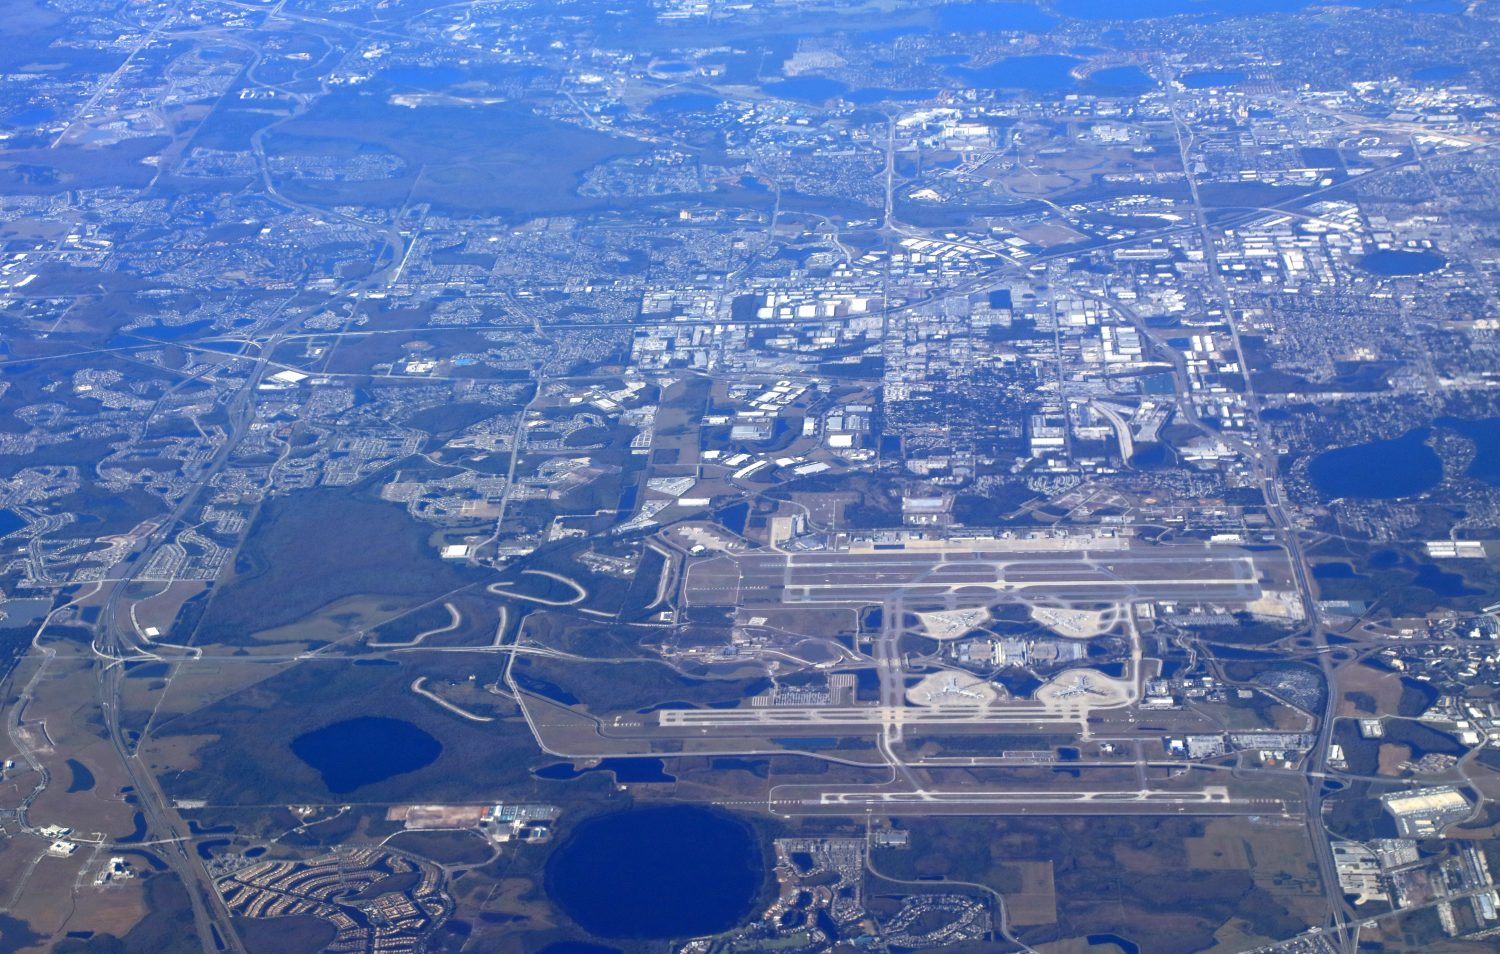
column 979, row 577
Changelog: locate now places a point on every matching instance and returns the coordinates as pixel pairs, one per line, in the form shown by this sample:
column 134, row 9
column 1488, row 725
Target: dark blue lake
column 577, row 947
column 1438, row 73
column 669, row 872
column 806, row 89
column 1099, row 940
column 624, row 770
column 1335, row 571
column 82, row 779
column 1044, row 72
column 1485, row 433
column 1391, row 262
column 887, row 34
column 985, row 17
column 424, row 77
column 1117, row 80
column 1442, row 582
column 1152, row 9
column 359, row 752
column 679, row 103
column 1382, row 470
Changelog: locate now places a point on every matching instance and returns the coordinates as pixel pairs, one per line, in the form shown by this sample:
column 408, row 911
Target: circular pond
column 670, row 872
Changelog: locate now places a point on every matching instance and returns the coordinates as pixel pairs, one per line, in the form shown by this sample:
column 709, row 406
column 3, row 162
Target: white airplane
column 953, row 689
column 1080, row 687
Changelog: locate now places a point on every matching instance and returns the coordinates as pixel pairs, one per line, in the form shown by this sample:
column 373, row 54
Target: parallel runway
column 1211, row 800
column 1018, row 712
column 1225, row 574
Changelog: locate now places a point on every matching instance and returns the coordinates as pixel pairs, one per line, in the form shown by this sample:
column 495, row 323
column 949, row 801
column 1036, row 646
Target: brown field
column 802, row 622
column 1280, row 717
column 677, row 422
column 1036, row 902
column 191, row 687
column 1077, row 945
column 160, row 610
column 1391, row 757
column 46, row 894
column 509, row 897
column 64, row 715
column 1218, row 850
column 435, row 816
column 175, row 752
column 1047, row 234
column 341, row 620
column 1385, row 687
column 1235, row 937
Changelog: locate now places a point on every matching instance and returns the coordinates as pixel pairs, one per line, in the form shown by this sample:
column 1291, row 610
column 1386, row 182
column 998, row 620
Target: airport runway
column 1219, row 574
column 1211, row 800
column 1017, row 712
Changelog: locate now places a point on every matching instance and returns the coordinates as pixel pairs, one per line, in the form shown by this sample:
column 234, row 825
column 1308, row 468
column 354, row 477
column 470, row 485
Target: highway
column 116, row 638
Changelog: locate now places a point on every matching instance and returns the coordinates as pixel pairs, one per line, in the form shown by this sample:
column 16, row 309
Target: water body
column 1099, row 940
column 137, row 832
column 1438, row 73
column 1485, row 433
column 1236, row 653
column 1041, row 73
column 1154, row 9
column 1117, row 80
column 1219, row 9
column 678, row 104
column 892, row 33
column 1442, row 582
column 806, row 89
column 1150, row 457
column 734, row 516
column 542, row 687
column 176, row 332
column 986, row 17
column 874, row 94
column 82, row 780
column 624, row 770
column 1390, row 262
column 577, row 947
column 358, row 752
column 1335, row 571
column 654, row 873
column 1379, row 470
column 424, row 77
